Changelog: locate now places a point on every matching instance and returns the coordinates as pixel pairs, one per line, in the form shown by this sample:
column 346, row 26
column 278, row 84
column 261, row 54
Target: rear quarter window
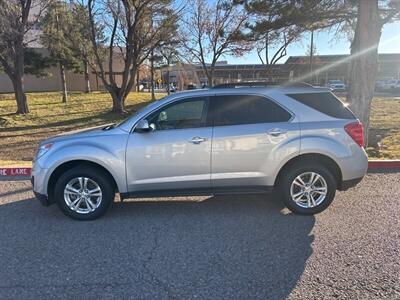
column 325, row 103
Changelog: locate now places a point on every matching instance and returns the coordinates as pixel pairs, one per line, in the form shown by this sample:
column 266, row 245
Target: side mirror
column 143, row 126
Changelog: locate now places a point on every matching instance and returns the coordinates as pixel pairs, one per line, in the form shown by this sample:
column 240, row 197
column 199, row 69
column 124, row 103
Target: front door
column 176, row 154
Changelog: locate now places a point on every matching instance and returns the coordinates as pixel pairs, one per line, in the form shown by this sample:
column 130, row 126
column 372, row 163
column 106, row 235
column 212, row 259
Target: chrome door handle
column 197, row 140
column 276, row 132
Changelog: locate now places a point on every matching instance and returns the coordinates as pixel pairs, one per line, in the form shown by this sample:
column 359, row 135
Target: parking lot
column 238, row 247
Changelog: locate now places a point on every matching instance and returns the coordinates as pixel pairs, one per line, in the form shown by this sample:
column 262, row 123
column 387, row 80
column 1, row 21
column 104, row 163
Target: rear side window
column 326, row 103
column 245, row 109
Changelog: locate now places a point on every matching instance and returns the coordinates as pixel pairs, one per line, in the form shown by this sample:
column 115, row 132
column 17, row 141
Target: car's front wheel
column 307, row 189
column 84, row 193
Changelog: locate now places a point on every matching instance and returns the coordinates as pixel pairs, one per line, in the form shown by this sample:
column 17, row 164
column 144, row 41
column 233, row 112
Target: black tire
column 287, row 178
column 97, row 176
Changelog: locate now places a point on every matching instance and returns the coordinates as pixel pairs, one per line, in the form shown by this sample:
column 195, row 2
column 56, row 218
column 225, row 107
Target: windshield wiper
column 111, row 126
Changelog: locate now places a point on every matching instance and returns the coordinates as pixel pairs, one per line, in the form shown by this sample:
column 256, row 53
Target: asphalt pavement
column 241, row 247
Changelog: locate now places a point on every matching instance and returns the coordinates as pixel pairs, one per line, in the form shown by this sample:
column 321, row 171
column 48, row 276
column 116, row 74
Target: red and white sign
column 15, row 171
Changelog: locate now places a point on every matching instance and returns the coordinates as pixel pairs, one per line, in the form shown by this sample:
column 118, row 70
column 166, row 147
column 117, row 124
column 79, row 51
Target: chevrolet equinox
column 300, row 141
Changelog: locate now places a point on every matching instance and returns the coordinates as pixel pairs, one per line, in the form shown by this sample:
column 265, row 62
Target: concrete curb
column 373, row 166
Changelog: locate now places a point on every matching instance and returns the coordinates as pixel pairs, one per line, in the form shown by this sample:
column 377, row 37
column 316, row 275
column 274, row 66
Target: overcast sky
column 326, row 44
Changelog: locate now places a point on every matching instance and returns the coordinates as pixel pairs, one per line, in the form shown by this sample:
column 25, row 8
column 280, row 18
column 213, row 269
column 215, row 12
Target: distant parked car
column 336, row 85
column 171, row 88
column 398, row 83
column 379, row 85
column 395, row 87
column 390, row 85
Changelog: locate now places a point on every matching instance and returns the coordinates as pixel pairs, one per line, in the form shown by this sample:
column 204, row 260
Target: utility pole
column 153, row 97
column 311, row 55
column 60, row 62
column 152, row 75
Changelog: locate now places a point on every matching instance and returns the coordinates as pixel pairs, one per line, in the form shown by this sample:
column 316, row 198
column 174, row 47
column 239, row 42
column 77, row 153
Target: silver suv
column 300, row 141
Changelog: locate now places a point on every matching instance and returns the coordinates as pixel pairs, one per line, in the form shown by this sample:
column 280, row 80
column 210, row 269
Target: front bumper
column 44, row 200
column 39, row 186
column 39, row 179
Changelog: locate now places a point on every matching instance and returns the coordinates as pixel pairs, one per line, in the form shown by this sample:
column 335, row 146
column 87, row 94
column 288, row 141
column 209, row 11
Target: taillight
column 356, row 131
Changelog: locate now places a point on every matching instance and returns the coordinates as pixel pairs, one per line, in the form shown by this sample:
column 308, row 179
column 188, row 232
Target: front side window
column 184, row 114
column 245, row 109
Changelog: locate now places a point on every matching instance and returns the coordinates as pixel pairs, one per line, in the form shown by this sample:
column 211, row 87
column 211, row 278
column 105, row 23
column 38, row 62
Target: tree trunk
column 18, row 80
column 364, row 61
column 86, row 73
column 20, row 97
column 153, row 96
column 63, row 84
column 210, row 78
column 118, row 102
column 268, row 72
column 138, row 80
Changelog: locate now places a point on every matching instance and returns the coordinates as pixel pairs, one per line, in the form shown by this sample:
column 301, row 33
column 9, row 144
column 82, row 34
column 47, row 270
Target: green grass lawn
column 20, row 135
column 384, row 134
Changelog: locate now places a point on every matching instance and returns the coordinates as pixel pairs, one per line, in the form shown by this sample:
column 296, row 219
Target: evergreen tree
column 56, row 23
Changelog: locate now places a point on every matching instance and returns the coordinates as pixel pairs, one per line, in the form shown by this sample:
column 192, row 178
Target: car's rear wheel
column 307, row 189
column 84, row 193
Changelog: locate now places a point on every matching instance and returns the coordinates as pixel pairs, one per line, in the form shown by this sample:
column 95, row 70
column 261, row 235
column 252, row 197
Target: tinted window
column 245, row 109
column 180, row 115
column 326, row 103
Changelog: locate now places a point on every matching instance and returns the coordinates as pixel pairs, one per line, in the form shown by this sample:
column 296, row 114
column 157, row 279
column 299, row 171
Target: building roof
column 327, row 59
column 297, row 60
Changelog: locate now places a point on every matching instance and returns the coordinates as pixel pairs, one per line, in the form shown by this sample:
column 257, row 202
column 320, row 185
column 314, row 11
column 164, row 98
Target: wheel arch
column 312, row 158
column 59, row 170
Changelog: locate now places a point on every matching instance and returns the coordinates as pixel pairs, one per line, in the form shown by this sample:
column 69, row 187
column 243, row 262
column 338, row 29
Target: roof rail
column 260, row 84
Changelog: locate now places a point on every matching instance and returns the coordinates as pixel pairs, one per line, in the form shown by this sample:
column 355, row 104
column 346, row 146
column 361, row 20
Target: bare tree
column 274, row 25
column 264, row 45
column 134, row 29
column 271, row 46
column 211, row 31
column 15, row 23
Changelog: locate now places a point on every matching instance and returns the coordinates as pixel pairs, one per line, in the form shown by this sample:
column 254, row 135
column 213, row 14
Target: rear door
column 251, row 136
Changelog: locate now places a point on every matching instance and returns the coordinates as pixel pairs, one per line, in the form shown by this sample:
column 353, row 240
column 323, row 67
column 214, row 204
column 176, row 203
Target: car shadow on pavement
column 236, row 247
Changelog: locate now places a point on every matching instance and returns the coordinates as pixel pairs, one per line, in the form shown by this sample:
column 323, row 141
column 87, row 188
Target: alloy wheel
column 308, row 189
column 82, row 195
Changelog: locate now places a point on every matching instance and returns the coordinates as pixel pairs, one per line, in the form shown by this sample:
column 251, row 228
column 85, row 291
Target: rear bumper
column 346, row 184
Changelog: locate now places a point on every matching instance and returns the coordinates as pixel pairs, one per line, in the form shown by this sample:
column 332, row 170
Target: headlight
column 43, row 149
